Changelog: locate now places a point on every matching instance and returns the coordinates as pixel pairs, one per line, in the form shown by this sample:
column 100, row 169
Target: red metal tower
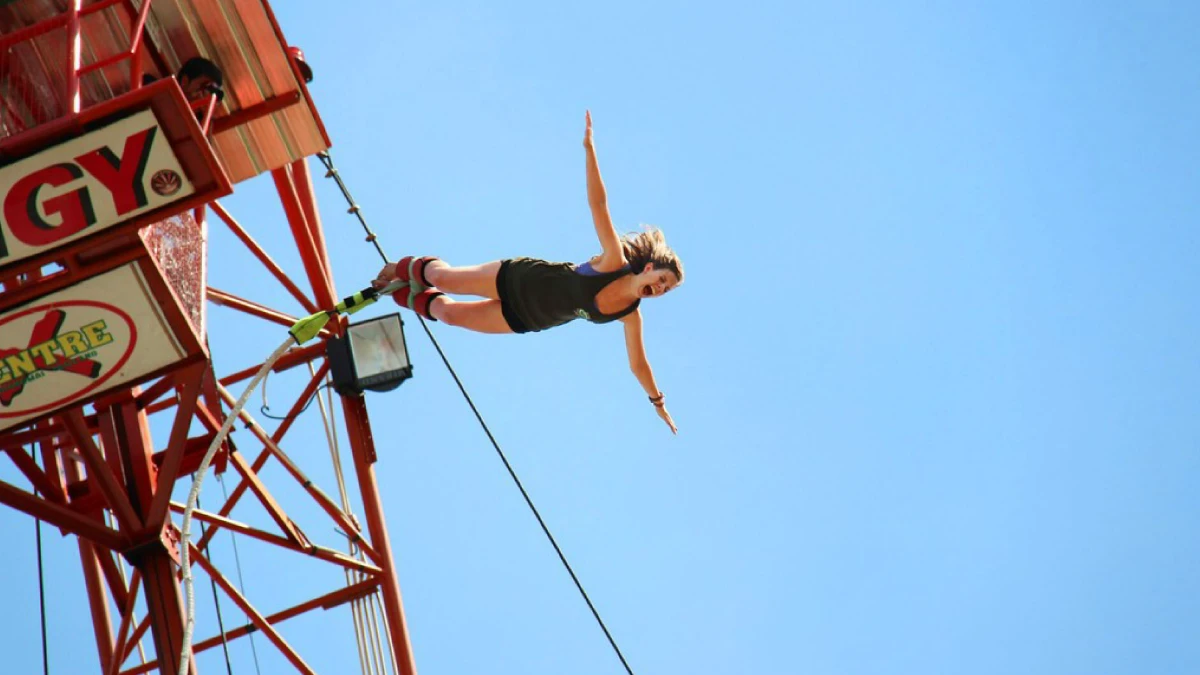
column 108, row 176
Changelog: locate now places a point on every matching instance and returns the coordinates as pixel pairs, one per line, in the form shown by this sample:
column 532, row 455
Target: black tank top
column 545, row 294
column 592, row 283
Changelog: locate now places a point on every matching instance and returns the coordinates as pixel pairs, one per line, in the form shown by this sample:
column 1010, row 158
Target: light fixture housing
column 371, row 356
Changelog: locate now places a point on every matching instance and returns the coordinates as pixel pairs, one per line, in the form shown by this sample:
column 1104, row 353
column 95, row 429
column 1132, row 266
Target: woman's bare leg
column 482, row 316
column 477, row 280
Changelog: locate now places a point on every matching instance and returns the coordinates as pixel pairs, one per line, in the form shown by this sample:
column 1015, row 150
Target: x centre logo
column 45, row 333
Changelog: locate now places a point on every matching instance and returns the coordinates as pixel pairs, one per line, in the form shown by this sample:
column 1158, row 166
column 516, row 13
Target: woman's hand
column 666, row 417
column 610, row 243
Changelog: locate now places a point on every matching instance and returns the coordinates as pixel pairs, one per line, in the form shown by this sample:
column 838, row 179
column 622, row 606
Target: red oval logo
column 56, row 353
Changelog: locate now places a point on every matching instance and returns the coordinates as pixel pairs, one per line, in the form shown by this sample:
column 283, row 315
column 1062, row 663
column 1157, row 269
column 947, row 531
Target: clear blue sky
column 934, row 365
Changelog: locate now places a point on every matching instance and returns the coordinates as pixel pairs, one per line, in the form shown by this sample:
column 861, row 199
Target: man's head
column 199, row 77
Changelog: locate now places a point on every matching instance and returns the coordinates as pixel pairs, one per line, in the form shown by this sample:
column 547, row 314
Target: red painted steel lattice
column 67, row 67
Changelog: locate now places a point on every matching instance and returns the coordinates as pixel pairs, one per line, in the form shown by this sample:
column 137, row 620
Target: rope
column 217, row 602
column 264, row 407
column 374, row 637
column 327, row 423
column 42, row 597
column 365, row 620
column 237, row 559
column 528, row 500
column 185, row 564
column 331, row 438
column 332, row 172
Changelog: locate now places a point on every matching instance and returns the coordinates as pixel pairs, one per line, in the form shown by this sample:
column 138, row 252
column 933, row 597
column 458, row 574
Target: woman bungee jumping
column 525, row 295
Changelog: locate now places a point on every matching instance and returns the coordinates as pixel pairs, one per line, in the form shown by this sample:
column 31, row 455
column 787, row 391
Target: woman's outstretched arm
column 612, row 257
column 641, row 367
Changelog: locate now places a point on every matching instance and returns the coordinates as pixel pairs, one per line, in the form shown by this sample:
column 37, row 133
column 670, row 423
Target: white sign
column 87, row 184
column 79, row 342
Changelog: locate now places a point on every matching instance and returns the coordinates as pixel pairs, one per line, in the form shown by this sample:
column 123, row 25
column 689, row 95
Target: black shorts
column 506, row 308
column 536, row 295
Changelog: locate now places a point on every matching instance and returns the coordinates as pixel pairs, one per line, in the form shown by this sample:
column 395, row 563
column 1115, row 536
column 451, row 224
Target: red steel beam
column 306, row 245
column 99, row 472
column 212, row 420
column 339, row 517
column 46, row 25
column 126, row 621
column 128, row 426
column 152, row 50
column 258, row 110
column 50, row 462
column 74, row 56
column 112, row 575
column 265, row 498
column 259, row 461
column 135, row 45
column 139, row 30
column 326, row 554
column 193, row 454
column 327, row 601
column 61, row 517
column 189, row 396
column 254, row 309
column 30, row 32
column 30, row 436
column 302, row 178
column 210, row 109
column 116, row 463
column 104, row 63
column 335, row 512
column 306, row 232
column 136, row 637
column 362, row 444
column 90, row 562
column 257, row 619
column 295, row 357
column 291, row 359
column 165, row 608
column 151, row 394
column 89, row 557
column 37, row 478
column 49, row 447
column 265, row 259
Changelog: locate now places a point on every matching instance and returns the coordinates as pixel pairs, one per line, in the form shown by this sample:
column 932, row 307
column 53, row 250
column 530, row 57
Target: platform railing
column 42, row 68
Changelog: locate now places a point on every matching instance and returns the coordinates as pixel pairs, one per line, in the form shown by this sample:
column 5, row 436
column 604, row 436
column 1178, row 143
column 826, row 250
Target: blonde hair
column 650, row 246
